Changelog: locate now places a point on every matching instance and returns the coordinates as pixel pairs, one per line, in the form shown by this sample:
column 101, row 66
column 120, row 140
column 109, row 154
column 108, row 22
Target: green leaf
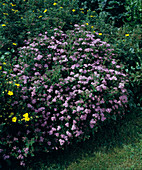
column 113, row 117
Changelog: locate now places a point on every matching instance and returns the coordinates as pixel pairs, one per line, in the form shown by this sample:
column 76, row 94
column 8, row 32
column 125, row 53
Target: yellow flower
column 10, row 93
column 45, row 10
column 13, row 10
column 100, row 33
column 14, row 119
column 92, row 26
column 21, row 17
column 27, row 118
column 25, row 115
column 13, row 4
column 17, row 85
column 61, row 7
column 73, row 10
column 33, row 11
column 126, row 35
column 81, row 9
column 82, row 12
column 94, row 31
column 40, row 16
column 4, row 63
column 14, row 44
column 5, row 13
column 3, row 25
column 11, row 114
column 3, row 4
column 91, row 16
column 0, row 115
column 55, row 4
column 86, row 23
column 0, row 67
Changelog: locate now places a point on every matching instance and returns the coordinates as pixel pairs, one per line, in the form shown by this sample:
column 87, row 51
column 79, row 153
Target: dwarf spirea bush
column 71, row 85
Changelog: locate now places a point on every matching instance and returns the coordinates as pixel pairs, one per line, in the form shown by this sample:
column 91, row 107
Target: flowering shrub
column 70, row 85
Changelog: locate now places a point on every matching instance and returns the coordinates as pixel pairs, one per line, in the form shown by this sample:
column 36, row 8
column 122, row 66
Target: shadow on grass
column 126, row 131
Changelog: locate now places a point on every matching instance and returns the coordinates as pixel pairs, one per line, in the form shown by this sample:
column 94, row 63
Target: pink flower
column 108, row 110
column 121, row 85
column 14, row 147
column 80, row 39
column 57, row 134
column 61, row 51
column 73, row 127
column 98, row 88
column 117, row 66
column 78, row 133
column 79, row 49
column 92, row 121
column 15, row 139
column 65, row 104
column 95, row 115
column 53, row 118
column 33, row 101
column 67, row 124
column 62, row 118
column 103, row 118
column 45, row 65
column 22, row 163
column 113, row 62
column 54, row 100
column 123, row 98
column 68, row 133
column 88, row 49
column 76, row 25
column 39, row 57
column 91, row 125
column 50, row 132
column 6, row 157
column 49, row 143
column 29, row 105
column 61, row 142
column 114, row 78
column 79, row 108
column 58, row 127
column 74, row 121
column 83, row 117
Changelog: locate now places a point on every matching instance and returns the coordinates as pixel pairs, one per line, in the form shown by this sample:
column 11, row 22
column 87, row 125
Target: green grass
column 115, row 146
